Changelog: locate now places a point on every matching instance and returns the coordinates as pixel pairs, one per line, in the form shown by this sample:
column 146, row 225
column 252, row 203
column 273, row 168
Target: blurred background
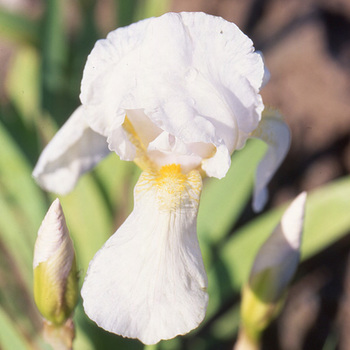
column 306, row 46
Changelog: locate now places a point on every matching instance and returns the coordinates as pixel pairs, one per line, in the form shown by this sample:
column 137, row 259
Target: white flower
column 177, row 95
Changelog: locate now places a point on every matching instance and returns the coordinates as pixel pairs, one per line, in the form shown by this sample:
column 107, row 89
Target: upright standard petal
column 148, row 281
column 202, row 86
column 276, row 134
column 74, row 150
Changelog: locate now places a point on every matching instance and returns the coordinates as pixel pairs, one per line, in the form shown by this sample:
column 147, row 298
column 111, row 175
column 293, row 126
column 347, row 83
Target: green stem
column 244, row 342
column 150, row 347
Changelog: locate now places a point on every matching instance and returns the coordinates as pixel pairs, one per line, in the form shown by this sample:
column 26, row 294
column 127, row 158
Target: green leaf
column 327, row 216
column 117, row 180
column 18, row 28
column 15, row 176
column 10, row 336
column 97, row 338
column 15, row 294
column 21, row 203
column 13, row 236
column 54, row 57
column 126, row 12
column 226, row 326
column 222, row 201
column 94, row 209
column 151, row 8
column 88, row 219
column 22, row 83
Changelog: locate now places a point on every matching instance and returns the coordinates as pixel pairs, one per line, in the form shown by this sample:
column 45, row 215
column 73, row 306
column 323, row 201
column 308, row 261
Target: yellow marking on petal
column 141, row 159
column 171, row 179
column 175, row 190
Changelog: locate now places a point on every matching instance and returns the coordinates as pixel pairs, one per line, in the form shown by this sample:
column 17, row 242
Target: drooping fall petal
column 276, row 134
column 74, row 150
column 148, row 281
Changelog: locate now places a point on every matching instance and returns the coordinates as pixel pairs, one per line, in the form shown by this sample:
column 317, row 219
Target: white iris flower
column 177, row 95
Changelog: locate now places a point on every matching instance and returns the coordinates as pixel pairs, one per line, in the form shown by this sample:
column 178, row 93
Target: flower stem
column 244, row 342
column 59, row 337
column 151, row 347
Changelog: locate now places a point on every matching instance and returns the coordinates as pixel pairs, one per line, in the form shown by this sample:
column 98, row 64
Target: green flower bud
column 273, row 269
column 278, row 258
column 55, row 272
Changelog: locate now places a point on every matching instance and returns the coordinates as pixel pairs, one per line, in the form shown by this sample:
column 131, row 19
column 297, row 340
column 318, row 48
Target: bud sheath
column 55, row 272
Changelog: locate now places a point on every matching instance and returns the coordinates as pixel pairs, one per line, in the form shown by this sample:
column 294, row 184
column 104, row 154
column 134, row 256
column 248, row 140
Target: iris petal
column 276, row 134
column 74, row 150
column 194, row 76
column 148, row 281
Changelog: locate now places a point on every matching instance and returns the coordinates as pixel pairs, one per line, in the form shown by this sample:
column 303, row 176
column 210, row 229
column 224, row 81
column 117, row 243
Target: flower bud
column 278, row 258
column 55, row 272
column 273, row 269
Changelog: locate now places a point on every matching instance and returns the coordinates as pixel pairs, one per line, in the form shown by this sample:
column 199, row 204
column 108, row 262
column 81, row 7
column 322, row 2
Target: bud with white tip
column 279, row 256
column 55, row 272
column 273, row 269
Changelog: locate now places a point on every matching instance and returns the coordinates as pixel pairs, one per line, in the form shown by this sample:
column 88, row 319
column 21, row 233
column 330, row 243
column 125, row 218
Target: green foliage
column 223, row 200
column 18, row 28
column 11, row 337
column 42, row 89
